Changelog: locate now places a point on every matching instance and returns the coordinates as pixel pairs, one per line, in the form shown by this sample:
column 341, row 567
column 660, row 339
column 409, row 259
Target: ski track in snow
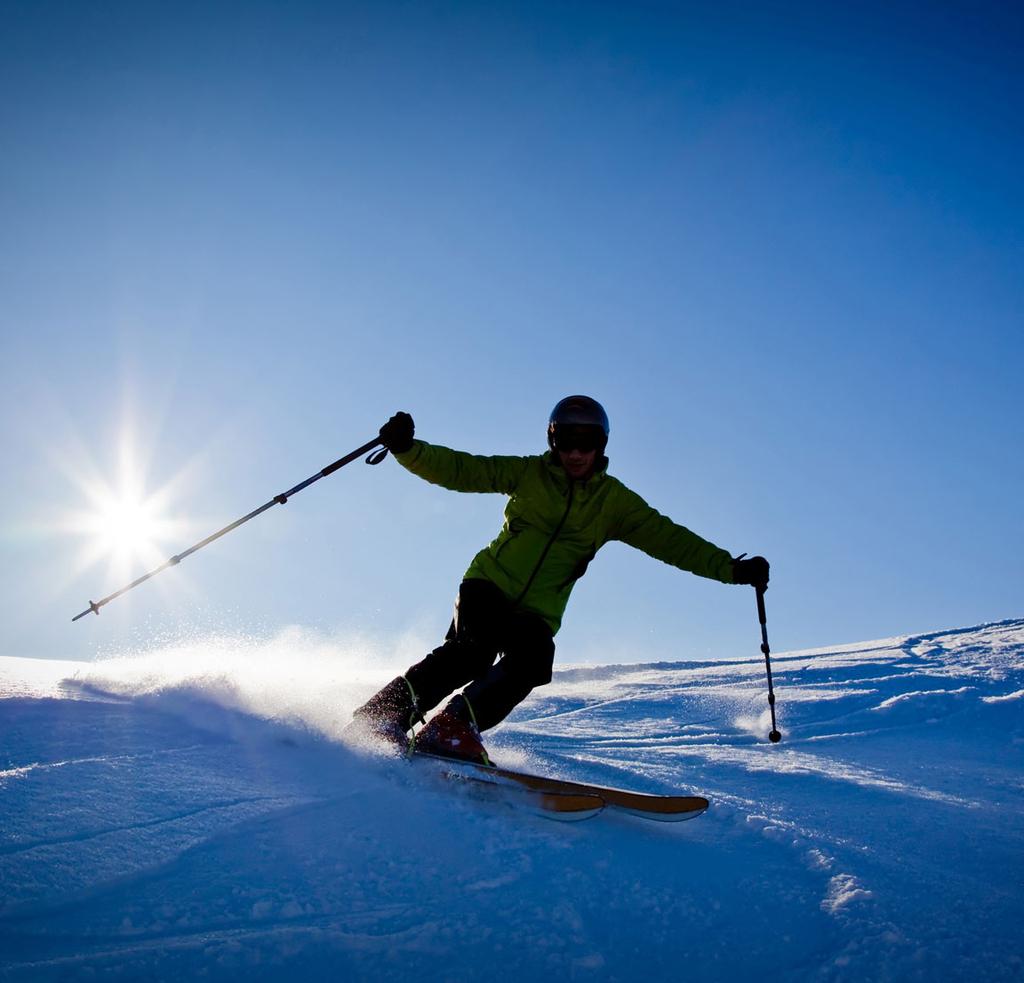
column 195, row 814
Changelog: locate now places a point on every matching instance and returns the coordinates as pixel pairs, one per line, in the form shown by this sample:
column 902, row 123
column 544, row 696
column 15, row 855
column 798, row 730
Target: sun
column 120, row 521
column 126, row 526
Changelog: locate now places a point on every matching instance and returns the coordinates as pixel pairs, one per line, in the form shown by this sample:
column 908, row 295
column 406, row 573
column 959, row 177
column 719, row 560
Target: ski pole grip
column 762, row 617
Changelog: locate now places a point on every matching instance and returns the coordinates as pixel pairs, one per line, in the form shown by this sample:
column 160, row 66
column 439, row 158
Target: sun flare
column 120, row 522
column 126, row 526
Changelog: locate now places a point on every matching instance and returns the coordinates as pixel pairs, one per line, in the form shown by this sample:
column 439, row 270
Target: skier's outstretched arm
column 657, row 535
column 452, row 469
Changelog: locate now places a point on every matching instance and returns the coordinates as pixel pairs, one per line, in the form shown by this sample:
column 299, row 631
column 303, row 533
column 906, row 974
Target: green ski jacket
column 554, row 526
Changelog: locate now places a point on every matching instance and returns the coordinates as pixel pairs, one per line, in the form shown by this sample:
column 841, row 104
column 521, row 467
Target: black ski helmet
column 579, row 411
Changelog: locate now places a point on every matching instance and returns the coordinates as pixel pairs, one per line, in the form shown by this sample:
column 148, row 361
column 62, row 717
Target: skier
column 563, row 507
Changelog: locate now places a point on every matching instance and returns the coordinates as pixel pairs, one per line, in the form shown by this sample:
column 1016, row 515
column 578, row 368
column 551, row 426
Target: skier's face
column 578, row 464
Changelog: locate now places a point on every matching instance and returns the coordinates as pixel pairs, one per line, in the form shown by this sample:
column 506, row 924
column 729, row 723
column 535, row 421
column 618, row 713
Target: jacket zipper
column 550, row 542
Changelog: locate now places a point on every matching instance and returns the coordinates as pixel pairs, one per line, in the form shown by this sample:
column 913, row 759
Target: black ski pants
column 485, row 625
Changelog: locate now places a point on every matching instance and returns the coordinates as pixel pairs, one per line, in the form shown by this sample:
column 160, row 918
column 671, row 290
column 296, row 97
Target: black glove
column 397, row 433
column 753, row 571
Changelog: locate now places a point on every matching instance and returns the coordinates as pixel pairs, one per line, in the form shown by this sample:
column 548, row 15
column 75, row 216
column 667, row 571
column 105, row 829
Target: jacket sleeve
column 657, row 535
column 463, row 472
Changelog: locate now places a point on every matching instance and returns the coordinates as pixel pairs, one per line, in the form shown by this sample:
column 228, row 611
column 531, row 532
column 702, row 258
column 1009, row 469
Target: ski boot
column 387, row 717
column 453, row 733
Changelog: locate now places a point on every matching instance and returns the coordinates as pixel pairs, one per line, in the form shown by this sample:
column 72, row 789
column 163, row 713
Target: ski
column 559, row 804
column 562, row 806
column 661, row 808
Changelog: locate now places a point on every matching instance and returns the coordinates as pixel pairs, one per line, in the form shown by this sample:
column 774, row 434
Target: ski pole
column 774, row 736
column 375, row 458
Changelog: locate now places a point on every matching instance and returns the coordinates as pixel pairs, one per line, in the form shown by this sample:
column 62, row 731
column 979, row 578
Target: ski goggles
column 577, row 438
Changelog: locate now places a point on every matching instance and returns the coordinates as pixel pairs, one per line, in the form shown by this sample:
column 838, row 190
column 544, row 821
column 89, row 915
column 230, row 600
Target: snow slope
column 191, row 813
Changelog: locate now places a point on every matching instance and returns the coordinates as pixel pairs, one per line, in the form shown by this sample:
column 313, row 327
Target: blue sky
column 782, row 246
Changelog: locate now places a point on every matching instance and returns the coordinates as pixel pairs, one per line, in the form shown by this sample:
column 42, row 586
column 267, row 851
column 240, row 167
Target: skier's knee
column 533, row 667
